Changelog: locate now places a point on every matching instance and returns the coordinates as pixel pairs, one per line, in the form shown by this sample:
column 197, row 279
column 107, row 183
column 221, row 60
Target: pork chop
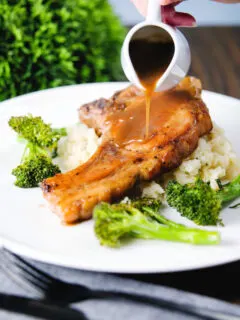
column 178, row 119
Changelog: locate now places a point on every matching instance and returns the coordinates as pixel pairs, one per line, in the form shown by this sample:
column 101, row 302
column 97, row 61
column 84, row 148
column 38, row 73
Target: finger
column 142, row 5
column 228, row 1
column 169, row 15
column 167, row 2
column 177, row 19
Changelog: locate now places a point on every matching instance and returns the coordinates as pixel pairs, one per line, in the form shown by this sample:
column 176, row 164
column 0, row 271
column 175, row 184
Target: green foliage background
column 49, row 43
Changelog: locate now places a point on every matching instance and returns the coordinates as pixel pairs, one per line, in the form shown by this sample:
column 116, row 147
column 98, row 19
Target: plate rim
column 22, row 96
column 47, row 258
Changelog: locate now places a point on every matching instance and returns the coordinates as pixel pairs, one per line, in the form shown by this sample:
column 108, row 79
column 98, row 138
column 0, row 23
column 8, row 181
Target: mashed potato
column 213, row 159
column 77, row 147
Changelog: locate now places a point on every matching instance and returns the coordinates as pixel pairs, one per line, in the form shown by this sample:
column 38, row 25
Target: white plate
column 29, row 228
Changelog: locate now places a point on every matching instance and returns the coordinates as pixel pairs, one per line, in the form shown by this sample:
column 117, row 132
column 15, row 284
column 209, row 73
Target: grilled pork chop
column 178, row 119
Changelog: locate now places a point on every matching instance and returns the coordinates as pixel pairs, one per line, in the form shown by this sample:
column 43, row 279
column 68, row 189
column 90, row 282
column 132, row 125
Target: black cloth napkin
column 116, row 310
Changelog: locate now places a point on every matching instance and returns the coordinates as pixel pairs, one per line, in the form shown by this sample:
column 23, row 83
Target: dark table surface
column 216, row 58
column 216, row 61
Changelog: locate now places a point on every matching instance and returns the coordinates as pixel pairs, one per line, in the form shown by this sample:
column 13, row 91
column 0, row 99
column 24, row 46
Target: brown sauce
column 128, row 126
column 150, row 60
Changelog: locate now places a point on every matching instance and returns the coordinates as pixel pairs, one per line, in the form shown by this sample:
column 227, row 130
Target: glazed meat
column 178, row 119
column 93, row 114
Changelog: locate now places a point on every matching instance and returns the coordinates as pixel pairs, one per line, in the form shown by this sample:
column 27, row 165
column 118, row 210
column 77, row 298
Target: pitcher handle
column 154, row 11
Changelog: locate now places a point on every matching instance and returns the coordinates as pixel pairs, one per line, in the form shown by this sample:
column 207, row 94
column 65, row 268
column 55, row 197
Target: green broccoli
column 116, row 222
column 41, row 145
column 36, row 131
column 151, row 207
column 199, row 202
column 35, row 167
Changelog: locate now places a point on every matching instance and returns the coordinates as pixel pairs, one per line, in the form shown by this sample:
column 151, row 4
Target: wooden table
column 216, row 58
column 216, row 61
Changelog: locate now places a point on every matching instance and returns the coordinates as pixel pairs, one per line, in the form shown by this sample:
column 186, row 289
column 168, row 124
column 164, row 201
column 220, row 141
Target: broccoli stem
column 60, row 131
column 172, row 231
column 192, row 236
column 116, row 222
column 34, row 150
column 162, row 219
column 25, row 152
column 230, row 191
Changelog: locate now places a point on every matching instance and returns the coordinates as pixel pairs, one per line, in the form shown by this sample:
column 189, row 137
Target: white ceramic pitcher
column 179, row 66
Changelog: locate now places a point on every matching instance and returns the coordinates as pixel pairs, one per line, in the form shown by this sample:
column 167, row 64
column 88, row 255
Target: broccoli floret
column 41, row 146
column 147, row 204
column 36, row 166
column 116, row 222
column 199, row 202
column 33, row 129
column 230, row 191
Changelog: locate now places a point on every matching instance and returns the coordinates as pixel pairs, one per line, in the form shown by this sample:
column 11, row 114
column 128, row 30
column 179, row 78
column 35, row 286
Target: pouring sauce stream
column 150, row 60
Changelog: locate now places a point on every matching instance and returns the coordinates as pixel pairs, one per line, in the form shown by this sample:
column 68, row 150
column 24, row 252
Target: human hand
column 228, row 1
column 169, row 15
column 142, row 4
